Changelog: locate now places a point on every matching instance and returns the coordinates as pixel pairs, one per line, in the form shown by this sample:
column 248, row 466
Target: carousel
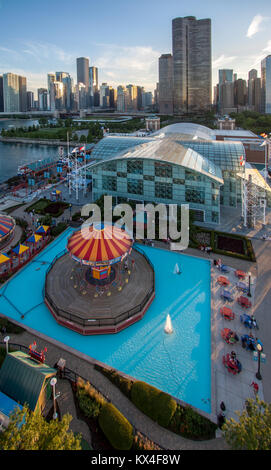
column 103, row 282
column 100, row 247
column 7, row 227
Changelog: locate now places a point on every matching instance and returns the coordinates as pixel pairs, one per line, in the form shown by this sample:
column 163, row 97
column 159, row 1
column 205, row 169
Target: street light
column 6, row 340
column 249, row 283
column 259, row 349
column 53, row 384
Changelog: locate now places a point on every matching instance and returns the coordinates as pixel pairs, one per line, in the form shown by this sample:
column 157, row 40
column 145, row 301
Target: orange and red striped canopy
column 6, row 225
column 99, row 244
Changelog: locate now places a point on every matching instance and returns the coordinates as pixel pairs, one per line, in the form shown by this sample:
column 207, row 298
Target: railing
column 93, row 321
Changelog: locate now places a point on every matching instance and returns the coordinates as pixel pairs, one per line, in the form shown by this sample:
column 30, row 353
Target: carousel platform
column 99, row 309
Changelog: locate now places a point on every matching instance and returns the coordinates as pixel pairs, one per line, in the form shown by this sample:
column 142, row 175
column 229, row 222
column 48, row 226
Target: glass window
column 194, row 195
column 134, row 186
column 109, row 182
column 148, row 178
column 163, row 190
column 135, row 167
column 163, row 170
column 178, row 181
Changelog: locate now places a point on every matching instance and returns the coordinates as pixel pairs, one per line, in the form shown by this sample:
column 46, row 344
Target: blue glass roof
column 111, row 146
column 226, row 155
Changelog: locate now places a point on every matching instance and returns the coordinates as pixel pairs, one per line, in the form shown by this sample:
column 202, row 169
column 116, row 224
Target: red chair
column 240, row 274
column 229, row 336
column 223, row 281
column 233, row 367
column 244, row 302
column 227, row 313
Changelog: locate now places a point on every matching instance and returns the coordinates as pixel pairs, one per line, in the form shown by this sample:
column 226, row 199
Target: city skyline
column 126, row 52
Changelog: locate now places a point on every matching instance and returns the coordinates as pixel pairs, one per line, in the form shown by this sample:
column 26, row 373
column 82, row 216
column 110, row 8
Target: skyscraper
column 83, row 71
column 22, row 94
column 14, row 91
column 225, row 91
column 93, row 86
column 266, row 84
column 192, row 70
column 1, row 94
column 166, row 84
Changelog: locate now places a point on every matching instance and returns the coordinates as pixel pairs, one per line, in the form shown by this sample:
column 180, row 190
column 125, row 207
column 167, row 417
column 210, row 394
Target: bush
column 192, row 425
column 10, row 327
column 58, row 229
column 88, row 406
column 125, row 385
column 116, row 427
column 156, row 404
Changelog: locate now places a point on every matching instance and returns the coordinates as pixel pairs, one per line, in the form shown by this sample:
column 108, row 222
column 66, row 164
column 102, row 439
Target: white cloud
column 223, row 61
column 255, row 25
column 45, row 51
column 137, row 65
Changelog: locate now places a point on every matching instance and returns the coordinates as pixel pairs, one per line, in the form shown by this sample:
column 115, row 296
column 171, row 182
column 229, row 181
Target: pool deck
column 85, row 308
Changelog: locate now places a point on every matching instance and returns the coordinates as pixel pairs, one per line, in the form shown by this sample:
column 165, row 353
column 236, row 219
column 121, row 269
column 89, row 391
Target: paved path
column 66, row 405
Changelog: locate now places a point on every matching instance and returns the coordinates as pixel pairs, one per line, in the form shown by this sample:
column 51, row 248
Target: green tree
column 30, row 431
column 253, row 429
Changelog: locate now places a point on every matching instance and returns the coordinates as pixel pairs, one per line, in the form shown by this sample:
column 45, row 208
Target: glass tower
column 192, row 69
column 266, row 85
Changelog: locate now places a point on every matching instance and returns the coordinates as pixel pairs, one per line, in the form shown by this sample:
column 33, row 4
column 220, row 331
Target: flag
column 81, row 149
column 75, row 150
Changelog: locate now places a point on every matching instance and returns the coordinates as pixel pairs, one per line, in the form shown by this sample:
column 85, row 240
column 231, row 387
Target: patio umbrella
column 42, row 229
column 3, row 258
column 20, row 249
column 34, row 238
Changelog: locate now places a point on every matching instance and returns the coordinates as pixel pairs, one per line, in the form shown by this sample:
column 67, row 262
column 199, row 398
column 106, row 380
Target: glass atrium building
column 181, row 163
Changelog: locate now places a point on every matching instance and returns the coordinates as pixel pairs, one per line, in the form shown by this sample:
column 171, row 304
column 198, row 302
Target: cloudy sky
column 125, row 38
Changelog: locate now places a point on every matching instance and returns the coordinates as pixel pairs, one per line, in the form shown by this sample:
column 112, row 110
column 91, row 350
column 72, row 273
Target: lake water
column 13, row 155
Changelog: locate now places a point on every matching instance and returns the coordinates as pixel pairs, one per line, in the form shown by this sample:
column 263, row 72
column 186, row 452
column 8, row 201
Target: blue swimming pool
column 179, row 364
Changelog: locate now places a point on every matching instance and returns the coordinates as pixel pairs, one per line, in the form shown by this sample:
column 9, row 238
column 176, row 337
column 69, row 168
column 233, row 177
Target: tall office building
column 166, row 84
column 30, row 100
column 147, row 99
column 240, row 93
column 1, row 95
column 11, row 92
column 122, row 99
column 132, row 97
column 225, row 91
column 192, row 69
column 93, row 86
column 22, row 94
column 82, row 64
column 266, row 84
column 43, row 99
column 51, row 78
column 104, row 95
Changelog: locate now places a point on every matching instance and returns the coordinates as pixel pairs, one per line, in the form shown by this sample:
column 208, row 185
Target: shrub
column 116, row 427
column 125, row 385
column 59, row 228
column 192, row 425
column 89, row 399
column 89, row 406
column 143, row 443
column 156, row 404
column 10, row 327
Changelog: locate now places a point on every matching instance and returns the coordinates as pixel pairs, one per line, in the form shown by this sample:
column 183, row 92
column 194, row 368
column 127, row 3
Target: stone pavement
column 66, row 405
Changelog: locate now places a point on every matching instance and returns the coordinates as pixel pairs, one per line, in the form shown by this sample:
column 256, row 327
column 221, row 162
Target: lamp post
column 70, row 211
column 53, row 384
column 6, row 340
column 249, row 284
column 259, row 349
